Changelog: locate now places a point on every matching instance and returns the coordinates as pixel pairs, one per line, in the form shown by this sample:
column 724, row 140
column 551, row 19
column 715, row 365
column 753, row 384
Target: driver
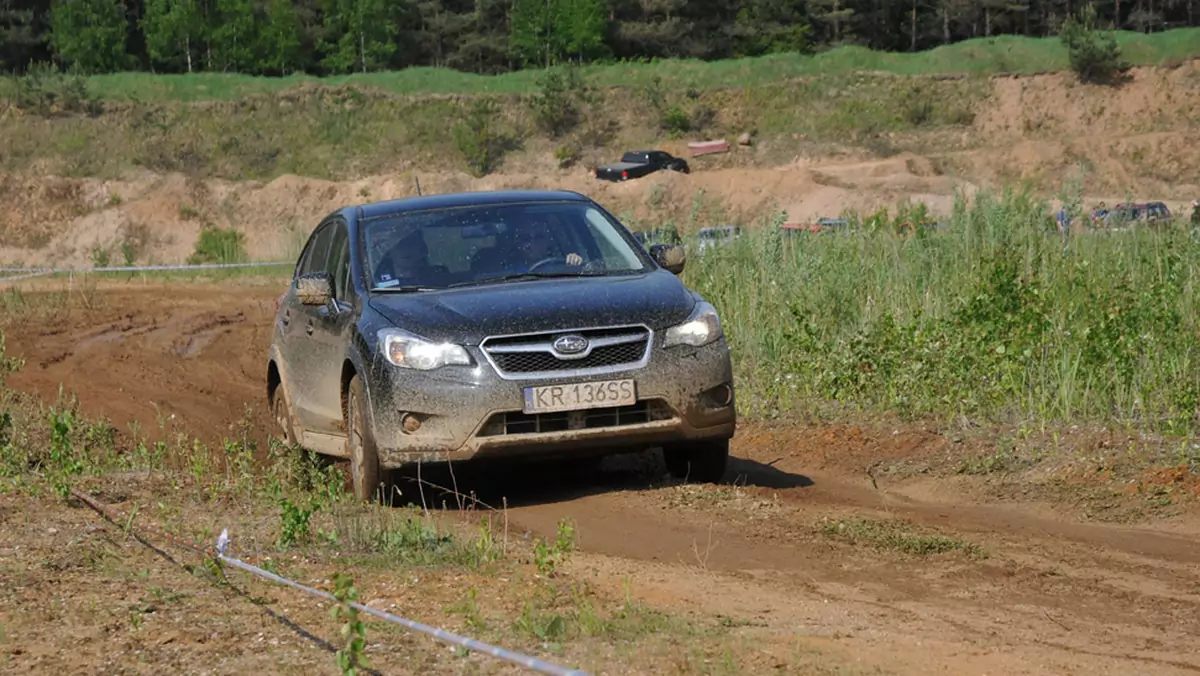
column 534, row 242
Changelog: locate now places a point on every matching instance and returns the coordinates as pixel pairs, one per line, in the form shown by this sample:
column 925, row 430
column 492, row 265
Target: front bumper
column 683, row 393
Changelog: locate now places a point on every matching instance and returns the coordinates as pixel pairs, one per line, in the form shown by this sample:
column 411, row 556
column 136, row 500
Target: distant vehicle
column 639, row 163
column 1143, row 212
column 522, row 324
column 822, row 225
column 657, row 236
column 718, row 236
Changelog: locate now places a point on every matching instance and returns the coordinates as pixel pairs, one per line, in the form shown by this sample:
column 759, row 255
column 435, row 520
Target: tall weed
column 988, row 315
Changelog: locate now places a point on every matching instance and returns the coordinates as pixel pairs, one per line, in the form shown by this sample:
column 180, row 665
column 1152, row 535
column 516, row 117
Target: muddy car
column 496, row 325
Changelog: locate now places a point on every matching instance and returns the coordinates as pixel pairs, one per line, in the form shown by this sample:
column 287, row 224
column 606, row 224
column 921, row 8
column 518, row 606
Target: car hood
column 468, row 315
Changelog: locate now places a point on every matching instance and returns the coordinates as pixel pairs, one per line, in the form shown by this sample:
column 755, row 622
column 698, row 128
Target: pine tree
column 364, row 32
column 280, row 40
column 173, row 29
column 539, row 34
column 89, row 34
column 235, row 35
column 585, row 22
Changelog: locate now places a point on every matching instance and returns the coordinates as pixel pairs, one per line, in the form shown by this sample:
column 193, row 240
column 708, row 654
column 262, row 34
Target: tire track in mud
column 143, row 356
column 1116, row 599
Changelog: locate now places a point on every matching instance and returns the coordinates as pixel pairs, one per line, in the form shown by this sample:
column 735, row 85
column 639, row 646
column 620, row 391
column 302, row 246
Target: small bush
column 46, row 91
column 478, row 138
column 556, row 106
column 566, row 155
column 1094, row 57
column 218, row 245
column 917, row 106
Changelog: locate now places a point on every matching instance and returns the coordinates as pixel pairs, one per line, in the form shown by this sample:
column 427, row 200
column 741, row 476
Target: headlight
column 413, row 352
column 701, row 328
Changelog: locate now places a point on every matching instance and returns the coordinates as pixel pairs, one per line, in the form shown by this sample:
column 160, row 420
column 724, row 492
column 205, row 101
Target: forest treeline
column 319, row 37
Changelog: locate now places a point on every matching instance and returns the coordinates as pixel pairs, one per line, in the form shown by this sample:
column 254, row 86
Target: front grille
column 534, row 355
column 516, row 422
column 535, row 362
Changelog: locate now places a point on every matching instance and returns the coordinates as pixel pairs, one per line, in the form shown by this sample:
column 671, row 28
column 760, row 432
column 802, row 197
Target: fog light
column 410, row 423
column 721, row 395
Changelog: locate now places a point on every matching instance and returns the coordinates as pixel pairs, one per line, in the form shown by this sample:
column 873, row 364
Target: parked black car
column 496, row 324
column 638, row 163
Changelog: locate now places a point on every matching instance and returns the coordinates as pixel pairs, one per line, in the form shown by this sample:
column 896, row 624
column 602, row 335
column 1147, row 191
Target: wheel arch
column 274, row 380
column 349, row 370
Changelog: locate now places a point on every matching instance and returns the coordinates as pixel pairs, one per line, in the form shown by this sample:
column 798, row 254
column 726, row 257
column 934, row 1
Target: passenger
column 407, row 262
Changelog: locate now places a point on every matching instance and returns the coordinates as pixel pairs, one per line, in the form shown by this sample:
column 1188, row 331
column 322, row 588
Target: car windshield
column 462, row 246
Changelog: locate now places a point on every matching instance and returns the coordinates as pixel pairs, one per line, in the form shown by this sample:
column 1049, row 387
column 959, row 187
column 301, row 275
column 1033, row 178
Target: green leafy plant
column 296, row 522
column 350, row 657
column 549, row 556
column 64, row 461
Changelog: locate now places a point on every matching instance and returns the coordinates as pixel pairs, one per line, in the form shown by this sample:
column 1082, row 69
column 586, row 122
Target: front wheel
column 282, row 414
column 698, row 461
column 364, row 457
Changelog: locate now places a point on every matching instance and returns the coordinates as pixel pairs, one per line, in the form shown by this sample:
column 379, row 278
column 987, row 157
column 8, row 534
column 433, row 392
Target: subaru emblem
column 570, row 344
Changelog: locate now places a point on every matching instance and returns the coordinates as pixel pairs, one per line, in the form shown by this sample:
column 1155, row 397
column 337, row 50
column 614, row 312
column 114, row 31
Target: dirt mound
column 166, row 213
column 1136, row 140
column 1138, row 137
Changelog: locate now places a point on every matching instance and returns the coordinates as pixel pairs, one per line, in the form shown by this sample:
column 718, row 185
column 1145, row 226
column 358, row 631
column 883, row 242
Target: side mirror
column 314, row 289
column 670, row 256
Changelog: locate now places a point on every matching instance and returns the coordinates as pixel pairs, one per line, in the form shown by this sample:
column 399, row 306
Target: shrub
column 46, row 91
column 566, row 155
column 1095, row 57
column 556, row 107
column 218, row 245
column 478, row 138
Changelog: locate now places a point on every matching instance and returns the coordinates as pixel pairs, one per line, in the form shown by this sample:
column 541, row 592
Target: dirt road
column 802, row 548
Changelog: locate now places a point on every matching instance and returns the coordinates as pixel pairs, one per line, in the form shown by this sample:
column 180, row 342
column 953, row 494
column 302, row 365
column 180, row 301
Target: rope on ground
column 218, row 553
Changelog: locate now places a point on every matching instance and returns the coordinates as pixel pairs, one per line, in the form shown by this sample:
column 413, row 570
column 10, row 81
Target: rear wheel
column 698, row 461
column 365, row 473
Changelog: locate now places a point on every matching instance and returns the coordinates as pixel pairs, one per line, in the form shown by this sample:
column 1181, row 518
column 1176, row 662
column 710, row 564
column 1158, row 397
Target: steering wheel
column 545, row 261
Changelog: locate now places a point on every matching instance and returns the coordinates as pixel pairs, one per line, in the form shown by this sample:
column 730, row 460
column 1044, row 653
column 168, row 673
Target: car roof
column 465, row 199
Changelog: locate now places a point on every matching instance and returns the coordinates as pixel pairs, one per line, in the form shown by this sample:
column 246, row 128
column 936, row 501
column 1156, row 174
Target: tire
column 698, row 462
column 282, row 414
column 365, row 473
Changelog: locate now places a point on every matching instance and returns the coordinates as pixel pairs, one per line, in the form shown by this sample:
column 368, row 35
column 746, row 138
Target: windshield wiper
column 525, row 275
column 407, row 288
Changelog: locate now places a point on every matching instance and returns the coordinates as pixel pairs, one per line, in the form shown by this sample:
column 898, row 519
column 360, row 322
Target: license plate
column 576, row 396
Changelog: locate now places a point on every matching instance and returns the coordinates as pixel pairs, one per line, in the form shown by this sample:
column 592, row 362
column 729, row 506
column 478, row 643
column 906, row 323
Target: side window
column 608, row 241
column 339, row 259
column 316, row 257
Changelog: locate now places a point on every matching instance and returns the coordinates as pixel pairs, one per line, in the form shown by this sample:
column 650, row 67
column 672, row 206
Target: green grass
column 977, row 56
column 898, row 536
column 989, row 318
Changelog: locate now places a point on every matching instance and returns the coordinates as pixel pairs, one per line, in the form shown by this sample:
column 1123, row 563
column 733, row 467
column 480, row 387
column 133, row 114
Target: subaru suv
column 508, row 324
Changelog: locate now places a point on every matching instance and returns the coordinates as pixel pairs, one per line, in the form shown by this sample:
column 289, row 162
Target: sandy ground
column 1048, row 592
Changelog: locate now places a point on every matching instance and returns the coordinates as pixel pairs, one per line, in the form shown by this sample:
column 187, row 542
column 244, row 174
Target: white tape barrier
column 462, row 641
column 144, row 268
